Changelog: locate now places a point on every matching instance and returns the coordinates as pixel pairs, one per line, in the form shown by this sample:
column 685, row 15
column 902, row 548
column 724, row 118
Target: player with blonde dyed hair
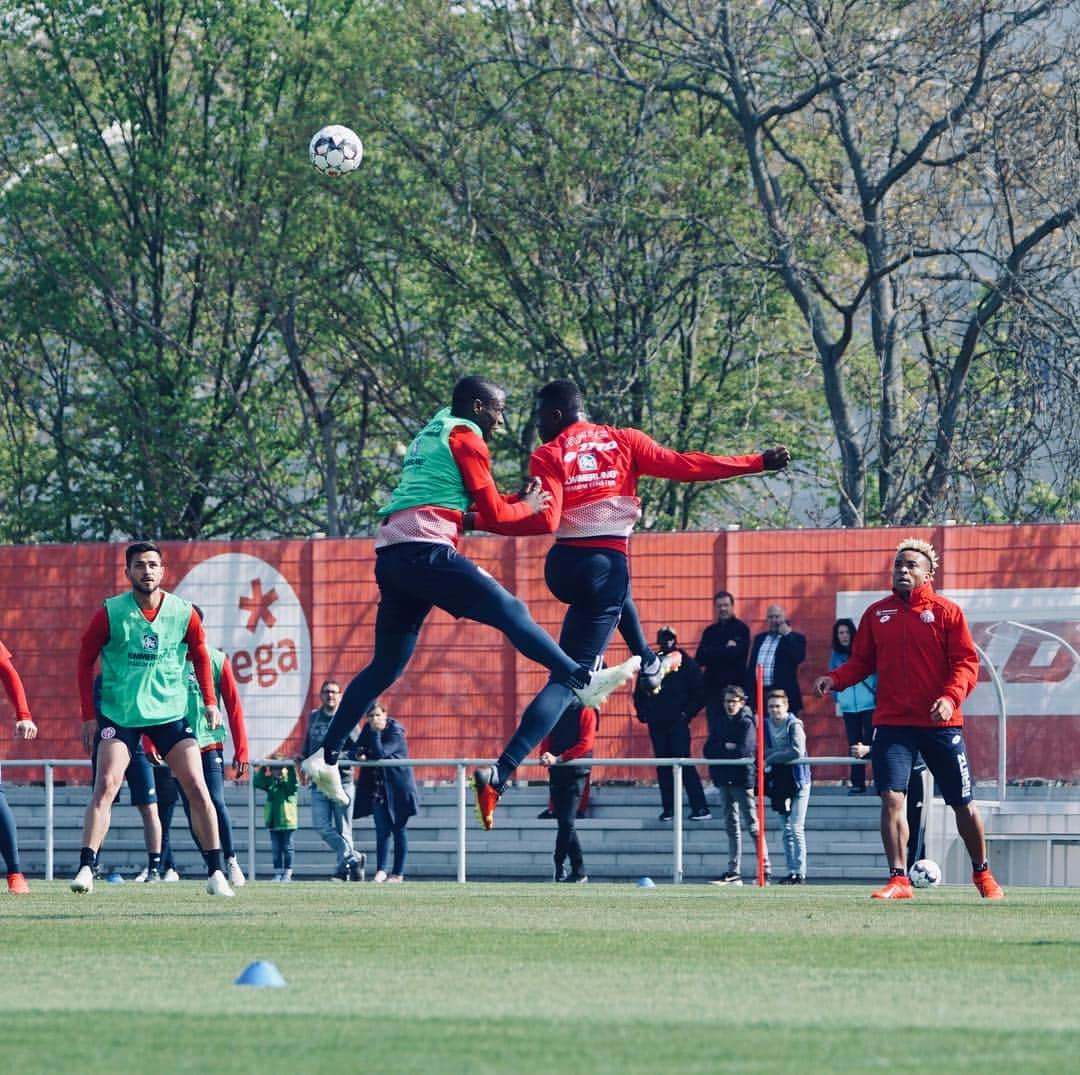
column 919, row 645
column 915, row 544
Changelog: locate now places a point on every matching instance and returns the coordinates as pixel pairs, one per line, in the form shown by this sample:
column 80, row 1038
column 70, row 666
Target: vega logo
column 254, row 615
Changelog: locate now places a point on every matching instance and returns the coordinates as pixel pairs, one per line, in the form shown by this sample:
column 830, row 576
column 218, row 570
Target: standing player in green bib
column 144, row 638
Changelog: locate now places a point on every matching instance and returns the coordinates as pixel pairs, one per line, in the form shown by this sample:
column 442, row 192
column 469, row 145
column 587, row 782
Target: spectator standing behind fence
column 571, row 739
column 733, row 735
column 855, row 704
column 668, row 711
column 387, row 793
column 779, row 651
column 330, row 818
column 920, row 646
column 25, row 728
column 787, row 780
column 722, row 654
column 281, row 813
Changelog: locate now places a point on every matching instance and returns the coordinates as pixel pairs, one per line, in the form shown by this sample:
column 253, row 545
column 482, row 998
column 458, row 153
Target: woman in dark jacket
column 387, row 794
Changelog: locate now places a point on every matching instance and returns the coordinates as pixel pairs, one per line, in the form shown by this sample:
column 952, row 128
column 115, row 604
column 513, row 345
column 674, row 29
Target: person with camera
column 667, row 712
column 387, row 794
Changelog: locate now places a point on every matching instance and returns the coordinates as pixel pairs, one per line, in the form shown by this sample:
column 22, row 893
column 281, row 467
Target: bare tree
column 914, row 168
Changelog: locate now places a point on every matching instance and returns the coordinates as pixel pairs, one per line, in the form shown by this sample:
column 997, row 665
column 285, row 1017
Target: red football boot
column 898, row 888
column 988, row 888
column 487, row 796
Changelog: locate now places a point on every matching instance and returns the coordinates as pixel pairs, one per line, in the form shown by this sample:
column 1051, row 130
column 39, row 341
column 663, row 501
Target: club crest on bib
column 587, row 461
column 150, row 643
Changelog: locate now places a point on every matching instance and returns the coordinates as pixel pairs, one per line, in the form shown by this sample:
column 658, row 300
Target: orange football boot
column 988, row 888
column 898, row 888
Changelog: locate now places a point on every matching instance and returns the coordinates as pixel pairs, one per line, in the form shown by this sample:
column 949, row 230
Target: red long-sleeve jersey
column 585, row 739
column 13, row 685
column 592, row 471
column 97, row 634
column 230, row 699
column 921, row 650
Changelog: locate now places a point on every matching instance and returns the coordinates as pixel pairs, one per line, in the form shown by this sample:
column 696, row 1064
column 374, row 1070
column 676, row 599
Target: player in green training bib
column 144, row 639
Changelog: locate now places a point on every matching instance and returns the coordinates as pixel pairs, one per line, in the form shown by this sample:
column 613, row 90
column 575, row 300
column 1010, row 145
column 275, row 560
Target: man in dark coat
column 667, row 711
column 722, row 653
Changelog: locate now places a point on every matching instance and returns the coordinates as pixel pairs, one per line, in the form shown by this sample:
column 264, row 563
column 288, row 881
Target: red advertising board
column 292, row 613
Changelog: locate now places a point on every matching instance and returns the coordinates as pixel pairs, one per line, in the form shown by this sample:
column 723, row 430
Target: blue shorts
column 163, row 736
column 894, row 751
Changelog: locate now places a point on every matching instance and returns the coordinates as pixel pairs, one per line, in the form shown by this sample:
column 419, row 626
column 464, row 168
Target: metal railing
column 461, row 784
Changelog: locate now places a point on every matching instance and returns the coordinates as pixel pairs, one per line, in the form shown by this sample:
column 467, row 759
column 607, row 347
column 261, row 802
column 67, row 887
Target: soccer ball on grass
column 335, row 150
column 925, row 874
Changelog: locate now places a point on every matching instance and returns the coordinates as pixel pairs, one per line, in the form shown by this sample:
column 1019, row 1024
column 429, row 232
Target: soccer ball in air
column 335, row 150
column 925, row 873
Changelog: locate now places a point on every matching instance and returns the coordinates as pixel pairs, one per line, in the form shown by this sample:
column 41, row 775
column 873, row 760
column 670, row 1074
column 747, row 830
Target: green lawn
column 538, row 978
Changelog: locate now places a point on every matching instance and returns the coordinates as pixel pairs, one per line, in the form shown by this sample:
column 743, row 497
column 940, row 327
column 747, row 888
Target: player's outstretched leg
column 393, row 650
column 538, row 719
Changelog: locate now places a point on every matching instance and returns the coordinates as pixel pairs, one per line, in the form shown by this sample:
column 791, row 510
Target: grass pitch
column 486, row 978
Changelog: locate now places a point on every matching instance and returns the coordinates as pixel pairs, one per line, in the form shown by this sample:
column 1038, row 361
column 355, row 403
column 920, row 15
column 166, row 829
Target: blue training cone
column 646, row 882
column 114, row 877
column 261, row 973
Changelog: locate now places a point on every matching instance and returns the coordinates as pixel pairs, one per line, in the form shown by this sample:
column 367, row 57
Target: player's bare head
column 144, row 566
column 480, row 401
column 138, row 548
column 558, row 404
column 915, row 563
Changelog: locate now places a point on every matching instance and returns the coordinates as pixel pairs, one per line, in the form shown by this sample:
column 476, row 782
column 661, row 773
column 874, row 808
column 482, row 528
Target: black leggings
column 566, row 788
